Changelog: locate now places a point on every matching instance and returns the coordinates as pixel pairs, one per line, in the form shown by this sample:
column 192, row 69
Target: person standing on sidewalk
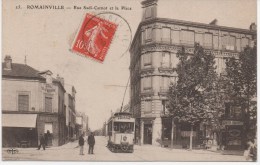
column 91, row 143
column 81, row 144
column 42, row 142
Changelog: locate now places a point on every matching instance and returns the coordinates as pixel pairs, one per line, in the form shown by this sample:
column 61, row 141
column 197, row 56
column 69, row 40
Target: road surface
column 70, row 152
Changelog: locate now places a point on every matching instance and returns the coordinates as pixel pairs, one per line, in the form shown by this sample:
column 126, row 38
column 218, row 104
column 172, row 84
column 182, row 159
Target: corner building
column 153, row 62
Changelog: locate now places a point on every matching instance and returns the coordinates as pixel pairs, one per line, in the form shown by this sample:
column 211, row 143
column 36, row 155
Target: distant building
column 32, row 104
column 81, row 124
column 152, row 68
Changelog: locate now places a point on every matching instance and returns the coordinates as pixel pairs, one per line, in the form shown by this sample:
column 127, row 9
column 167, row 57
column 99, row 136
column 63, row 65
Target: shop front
column 232, row 135
column 19, row 130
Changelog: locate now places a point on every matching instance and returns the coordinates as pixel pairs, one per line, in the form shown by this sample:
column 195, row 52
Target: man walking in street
column 81, row 144
column 42, row 142
column 91, row 143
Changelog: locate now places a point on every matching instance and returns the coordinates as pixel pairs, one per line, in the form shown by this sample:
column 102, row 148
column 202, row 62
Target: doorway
column 148, row 133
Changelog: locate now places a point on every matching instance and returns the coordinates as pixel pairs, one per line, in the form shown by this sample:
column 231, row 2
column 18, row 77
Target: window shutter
column 48, row 104
column 23, row 102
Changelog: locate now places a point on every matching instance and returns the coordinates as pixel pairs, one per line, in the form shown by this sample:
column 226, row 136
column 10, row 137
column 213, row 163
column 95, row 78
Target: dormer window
column 47, row 75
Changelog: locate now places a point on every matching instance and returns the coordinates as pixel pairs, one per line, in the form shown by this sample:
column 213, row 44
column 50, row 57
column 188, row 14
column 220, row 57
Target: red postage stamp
column 94, row 37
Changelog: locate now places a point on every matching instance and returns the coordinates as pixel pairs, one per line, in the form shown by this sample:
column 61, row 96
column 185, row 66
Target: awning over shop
column 19, row 120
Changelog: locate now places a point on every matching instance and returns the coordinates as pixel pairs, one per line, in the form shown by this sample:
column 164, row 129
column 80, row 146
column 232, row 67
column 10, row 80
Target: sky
column 45, row 38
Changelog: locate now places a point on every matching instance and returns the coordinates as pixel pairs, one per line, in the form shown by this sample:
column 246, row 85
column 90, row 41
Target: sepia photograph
column 129, row 81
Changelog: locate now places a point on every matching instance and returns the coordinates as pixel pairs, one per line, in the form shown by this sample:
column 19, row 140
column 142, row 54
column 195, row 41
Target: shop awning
column 19, row 120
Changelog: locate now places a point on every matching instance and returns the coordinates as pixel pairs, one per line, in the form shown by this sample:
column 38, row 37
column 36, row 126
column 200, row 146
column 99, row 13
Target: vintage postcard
column 137, row 80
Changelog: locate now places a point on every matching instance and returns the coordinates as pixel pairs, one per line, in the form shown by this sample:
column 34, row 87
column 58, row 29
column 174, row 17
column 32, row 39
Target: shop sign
column 49, row 88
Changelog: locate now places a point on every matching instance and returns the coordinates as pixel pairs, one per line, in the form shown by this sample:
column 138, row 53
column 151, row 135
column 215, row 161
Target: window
column 187, row 37
column 175, row 35
column 165, row 83
column 48, row 127
column 238, row 44
column 23, row 102
column 147, row 106
column 232, row 111
column 215, row 42
column 174, row 60
column 244, row 43
column 165, row 60
column 232, row 42
column 208, row 40
column 142, row 37
column 147, row 83
column 199, row 38
column 148, row 34
column 229, row 42
column 224, row 41
column 147, row 60
column 48, row 104
column 166, row 35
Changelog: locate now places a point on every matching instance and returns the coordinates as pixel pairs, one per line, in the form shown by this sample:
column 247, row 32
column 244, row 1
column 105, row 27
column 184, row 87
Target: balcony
column 163, row 91
column 149, row 69
column 165, row 68
column 147, row 92
column 229, row 47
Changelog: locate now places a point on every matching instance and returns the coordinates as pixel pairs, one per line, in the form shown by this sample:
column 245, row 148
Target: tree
column 190, row 100
column 242, row 82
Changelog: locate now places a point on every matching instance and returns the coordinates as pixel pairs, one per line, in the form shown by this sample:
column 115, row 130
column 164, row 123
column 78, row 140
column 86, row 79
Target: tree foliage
column 242, row 84
column 193, row 99
column 241, row 73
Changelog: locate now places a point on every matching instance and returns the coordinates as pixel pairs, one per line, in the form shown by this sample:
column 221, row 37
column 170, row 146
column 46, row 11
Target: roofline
column 34, row 78
column 190, row 23
column 22, row 77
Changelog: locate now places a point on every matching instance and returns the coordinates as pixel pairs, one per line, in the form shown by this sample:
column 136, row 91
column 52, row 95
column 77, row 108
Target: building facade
column 70, row 114
column 153, row 62
column 32, row 105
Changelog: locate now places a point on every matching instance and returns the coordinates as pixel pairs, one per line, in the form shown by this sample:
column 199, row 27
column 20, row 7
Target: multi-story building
column 32, row 104
column 153, row 62
column 70, row 114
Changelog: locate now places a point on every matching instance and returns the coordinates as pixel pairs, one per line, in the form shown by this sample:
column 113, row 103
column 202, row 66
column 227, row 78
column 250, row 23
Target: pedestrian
column 42, row 142
column 81, row 144
column 251, row 152
column 91, row 143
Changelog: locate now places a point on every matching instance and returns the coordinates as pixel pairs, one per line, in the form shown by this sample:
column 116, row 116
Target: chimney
column 253, row 27
column 149, row 9
column 214, row 22
column 8, row 63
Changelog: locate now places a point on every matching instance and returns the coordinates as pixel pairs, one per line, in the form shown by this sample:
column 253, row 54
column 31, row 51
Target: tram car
column 121, row 132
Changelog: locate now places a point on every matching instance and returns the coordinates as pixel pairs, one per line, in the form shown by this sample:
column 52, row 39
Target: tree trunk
column 191, row 134
column 172, row 133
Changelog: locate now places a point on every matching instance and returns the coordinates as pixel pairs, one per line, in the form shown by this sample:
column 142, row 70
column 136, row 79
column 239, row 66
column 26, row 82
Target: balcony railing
column 163, row 91
column 147, row 69
column 167, row 68
column 147, row 92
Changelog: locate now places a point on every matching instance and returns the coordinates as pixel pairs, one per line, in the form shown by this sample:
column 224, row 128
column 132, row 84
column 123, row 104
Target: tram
column 121, row 132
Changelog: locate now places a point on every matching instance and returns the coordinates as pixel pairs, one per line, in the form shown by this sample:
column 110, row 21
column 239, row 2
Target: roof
column 189, row 23
column 25, row 72
column 21, row 71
